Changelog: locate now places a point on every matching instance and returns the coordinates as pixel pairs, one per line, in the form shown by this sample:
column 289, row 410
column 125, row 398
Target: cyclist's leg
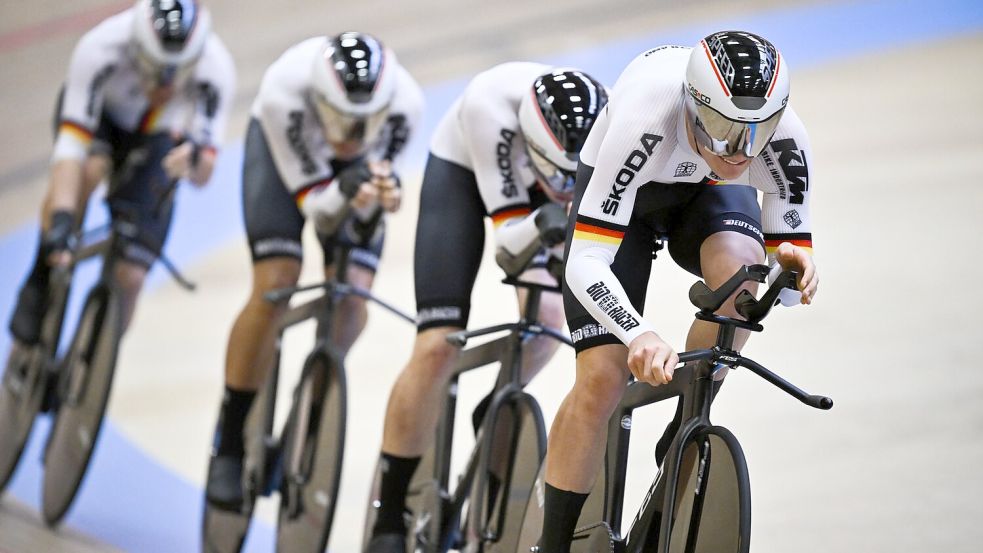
column 137, row 192
column 449, row 241
column 718, row 233
column 578, row 436
column 539, row 350
column 273, row 226
column 351, row 312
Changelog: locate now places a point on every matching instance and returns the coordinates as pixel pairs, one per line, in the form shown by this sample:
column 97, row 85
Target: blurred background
column 889, row 91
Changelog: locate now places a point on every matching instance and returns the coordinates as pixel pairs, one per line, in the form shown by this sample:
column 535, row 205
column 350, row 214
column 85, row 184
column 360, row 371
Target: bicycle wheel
column 21, row 393
column 223, row 530
column 711, row 507
column 514, row 449
column 84, row 384
column 312, row 448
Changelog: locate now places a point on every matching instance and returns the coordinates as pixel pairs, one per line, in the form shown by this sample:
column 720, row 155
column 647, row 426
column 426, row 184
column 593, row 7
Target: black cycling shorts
column 680, row 215
column 138, row 184
column 274, row 222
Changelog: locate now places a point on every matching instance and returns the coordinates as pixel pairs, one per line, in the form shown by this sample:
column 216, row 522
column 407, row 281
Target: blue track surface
column 132, row 502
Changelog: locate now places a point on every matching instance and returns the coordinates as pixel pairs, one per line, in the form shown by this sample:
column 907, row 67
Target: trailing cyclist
column 507, row 149
column 328, row 127
column 145, row 102
column 682, row 122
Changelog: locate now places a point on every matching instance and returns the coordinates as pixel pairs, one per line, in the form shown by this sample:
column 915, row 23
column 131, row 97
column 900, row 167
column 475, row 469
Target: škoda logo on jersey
column 636, row 160
column 503, row 151
column 611, row 307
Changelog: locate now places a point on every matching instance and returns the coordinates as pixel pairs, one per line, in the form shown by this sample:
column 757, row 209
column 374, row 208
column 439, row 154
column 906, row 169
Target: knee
column 598, row 389
column 272, row 275
column 432, row 356
column 130, row 277
column 551, row 311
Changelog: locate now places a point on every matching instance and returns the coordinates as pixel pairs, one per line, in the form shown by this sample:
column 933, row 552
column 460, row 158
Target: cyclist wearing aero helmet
column 507, row 151
column 328, row 129
column 652, row 171
column 145, row 101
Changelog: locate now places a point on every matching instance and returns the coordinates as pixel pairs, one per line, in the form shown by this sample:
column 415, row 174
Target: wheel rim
column 21, row 393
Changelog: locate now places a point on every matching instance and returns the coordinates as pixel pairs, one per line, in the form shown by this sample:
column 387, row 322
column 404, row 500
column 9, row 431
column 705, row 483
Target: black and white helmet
column 737, row 87
column 555, row 118
column 352, row 85
column 168, row 39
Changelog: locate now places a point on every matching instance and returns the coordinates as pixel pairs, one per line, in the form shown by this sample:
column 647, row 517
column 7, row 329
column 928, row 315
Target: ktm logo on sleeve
column 632, row 165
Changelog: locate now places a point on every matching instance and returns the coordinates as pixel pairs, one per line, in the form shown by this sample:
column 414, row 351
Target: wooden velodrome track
column 893, row 111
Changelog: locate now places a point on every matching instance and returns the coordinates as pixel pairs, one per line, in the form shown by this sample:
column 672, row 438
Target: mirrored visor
column 344, row 127
column 155, row 74
column 558, row 179
column 724, row 137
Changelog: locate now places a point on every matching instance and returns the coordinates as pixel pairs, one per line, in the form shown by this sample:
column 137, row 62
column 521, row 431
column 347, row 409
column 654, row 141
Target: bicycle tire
column 711, row 505
column 84, row 386
column 312, row 449
column 494, row 527
column 224, row 530
column 21, row 394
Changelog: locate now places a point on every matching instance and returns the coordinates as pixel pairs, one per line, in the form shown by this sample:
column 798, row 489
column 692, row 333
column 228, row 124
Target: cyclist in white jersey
column 688, row 137
column 326, row 141
column 145, row 102
column 506, row 150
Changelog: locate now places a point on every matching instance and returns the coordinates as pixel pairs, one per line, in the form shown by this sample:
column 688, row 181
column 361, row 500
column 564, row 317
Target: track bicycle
column 74, row 388
column 483, row 512
column 703, row 481
column 304, row 462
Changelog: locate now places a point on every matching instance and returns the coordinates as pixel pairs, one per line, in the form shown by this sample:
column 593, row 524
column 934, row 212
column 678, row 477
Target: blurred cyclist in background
column 145, row 102
column 328, row 130
column 507, row 149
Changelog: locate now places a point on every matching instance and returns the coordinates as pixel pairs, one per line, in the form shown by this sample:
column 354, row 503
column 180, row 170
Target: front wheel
column 514, row 450
column 711, row 506
column 85, row 380
column 313, row 448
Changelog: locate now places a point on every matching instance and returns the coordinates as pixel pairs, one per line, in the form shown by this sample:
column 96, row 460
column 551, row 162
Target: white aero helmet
column 737, row 88
column 353, row 82
column 555, row 117
column 168, row 39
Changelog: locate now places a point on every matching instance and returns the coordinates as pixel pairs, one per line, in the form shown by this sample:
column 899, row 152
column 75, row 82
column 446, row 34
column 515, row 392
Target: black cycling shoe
column 387, row 543
column 224, row 487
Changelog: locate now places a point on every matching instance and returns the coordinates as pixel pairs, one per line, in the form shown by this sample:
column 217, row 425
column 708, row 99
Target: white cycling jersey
column 481, row 132
column 641, row 137
column 294, row 134
column 103, row 81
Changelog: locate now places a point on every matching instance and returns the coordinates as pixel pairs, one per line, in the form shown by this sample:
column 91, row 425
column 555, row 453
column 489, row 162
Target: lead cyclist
column 689, row 137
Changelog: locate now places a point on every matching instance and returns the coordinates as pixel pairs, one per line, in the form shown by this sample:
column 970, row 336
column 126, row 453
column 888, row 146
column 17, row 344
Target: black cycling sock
column 561, row 511
column 235, row 407
column 396, row 475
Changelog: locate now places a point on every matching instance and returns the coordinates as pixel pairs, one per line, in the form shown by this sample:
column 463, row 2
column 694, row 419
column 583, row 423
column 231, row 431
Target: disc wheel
column 514, row 451
column 84, row 384
column 312, row 449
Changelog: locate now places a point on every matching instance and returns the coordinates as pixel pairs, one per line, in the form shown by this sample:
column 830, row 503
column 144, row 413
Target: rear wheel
column 711, row 507
column 312, row 449
column 512, row 456
column 84, row 384
column 21, row 393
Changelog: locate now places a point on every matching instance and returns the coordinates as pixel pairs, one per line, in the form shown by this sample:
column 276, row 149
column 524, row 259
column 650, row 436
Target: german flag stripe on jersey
column 149, row 119
column 803, row 240
column 301, row 194
column 501, row 215
column 78, row 131
column 596, row 230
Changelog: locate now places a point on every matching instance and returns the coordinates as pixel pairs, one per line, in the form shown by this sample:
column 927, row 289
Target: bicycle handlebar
column 330, row 286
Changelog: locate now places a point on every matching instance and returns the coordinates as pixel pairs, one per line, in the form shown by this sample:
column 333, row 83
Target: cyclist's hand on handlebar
column 651, row 359
column 790, row 256
column 177, row 163
column 387, row 184
column 58, row 241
